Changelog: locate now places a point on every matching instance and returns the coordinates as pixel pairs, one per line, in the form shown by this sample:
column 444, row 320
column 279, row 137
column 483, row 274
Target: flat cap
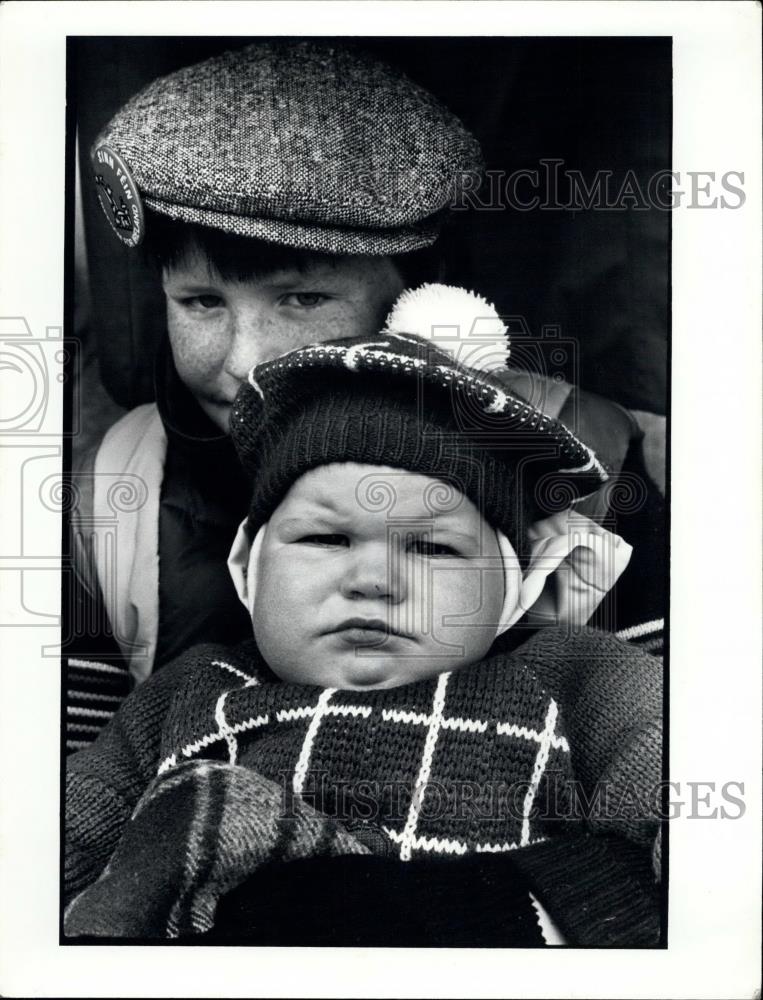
column 304, row 143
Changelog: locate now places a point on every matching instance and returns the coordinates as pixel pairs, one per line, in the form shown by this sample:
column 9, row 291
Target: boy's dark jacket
column 536, row 769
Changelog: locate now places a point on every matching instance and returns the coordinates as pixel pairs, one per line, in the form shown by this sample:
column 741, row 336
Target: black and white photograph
column 358, row 630
column 376, row 408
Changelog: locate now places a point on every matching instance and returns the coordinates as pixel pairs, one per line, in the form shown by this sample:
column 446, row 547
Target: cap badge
column 119, row 196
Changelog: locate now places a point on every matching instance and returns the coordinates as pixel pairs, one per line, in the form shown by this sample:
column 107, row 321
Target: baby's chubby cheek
column 465, row 610
column 284, row 618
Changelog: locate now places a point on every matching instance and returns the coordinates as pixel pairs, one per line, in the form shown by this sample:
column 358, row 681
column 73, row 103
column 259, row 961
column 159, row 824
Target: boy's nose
column 257, row 336
column 247, row 345
column 373, row 575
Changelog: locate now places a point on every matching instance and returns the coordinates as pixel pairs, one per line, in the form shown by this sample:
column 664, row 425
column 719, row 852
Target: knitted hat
column 305, row 144
column 399, row 400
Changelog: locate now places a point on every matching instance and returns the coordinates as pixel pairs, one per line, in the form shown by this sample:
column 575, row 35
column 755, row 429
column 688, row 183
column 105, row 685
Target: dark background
column 601, row 276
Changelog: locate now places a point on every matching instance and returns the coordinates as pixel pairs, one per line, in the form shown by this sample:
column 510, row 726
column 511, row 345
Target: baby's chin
column 370, row 673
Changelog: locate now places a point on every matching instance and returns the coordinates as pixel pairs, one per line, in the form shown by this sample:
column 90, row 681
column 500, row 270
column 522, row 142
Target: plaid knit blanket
column 197, row 833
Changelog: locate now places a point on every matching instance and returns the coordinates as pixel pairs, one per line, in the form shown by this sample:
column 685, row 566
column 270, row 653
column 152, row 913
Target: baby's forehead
column 353, row 490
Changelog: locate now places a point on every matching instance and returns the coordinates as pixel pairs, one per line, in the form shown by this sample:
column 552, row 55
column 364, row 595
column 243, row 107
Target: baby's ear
column 573, row 565
column 238, row 564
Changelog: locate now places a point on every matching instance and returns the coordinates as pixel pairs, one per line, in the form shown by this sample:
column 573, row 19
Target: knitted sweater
column 525, row 752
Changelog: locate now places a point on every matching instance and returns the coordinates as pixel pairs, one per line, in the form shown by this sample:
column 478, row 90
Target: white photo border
column 715, row 678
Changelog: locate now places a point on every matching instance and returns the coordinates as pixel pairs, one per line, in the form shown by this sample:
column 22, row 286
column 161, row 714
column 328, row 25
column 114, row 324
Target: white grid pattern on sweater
column 510, row 729
column 318, row 713
column 306, row 711
column 228, row 732
column 433, row 732
column 446, row 845
column 420, row 719
column 544, row 749
column 435, row 722
column 191, row 749
column 300, row 771
column 250, row 680
column 224, row 730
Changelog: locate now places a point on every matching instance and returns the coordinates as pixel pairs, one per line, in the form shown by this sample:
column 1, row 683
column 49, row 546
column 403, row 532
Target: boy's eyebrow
column 285, row 279
column 190, row 278
column 193, row 287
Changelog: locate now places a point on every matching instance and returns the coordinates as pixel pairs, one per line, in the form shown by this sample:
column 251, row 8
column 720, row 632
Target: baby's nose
column 373, row 575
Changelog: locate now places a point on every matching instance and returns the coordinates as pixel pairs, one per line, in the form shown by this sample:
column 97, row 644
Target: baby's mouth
column 366, row 632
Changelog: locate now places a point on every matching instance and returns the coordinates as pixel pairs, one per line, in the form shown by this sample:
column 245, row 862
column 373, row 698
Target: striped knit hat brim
column 399, row 401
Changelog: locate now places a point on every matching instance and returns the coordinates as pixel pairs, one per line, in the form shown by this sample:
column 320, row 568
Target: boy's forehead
column 194, row 265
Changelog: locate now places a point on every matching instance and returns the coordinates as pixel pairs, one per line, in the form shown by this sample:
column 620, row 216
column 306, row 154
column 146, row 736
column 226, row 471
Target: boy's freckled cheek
column 198, row 354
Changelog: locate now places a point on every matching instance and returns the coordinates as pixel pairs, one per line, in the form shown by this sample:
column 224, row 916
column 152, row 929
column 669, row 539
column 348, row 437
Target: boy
column 386, row 560
column 310, row 208
column 303, row 214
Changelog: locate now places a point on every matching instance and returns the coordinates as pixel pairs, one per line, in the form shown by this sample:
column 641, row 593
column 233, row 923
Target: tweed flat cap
column 302, row 143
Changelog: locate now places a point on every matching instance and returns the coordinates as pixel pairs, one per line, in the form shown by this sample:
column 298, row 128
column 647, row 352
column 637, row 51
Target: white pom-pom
column 457, row 321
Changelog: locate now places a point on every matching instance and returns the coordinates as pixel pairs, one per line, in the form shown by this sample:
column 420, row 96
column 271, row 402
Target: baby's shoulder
column 213, row 665
column 563, row 660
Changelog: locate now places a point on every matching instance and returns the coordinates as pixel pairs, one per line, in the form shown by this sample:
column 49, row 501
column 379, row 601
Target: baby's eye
column 202, row 302
column 304, row 300
column 422, row 547
column 327, row 540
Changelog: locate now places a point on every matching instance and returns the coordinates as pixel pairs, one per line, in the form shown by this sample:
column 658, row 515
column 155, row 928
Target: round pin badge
column 119, row 196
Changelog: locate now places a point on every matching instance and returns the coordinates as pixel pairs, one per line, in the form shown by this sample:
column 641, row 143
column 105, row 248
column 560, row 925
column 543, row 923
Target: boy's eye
column 325, row 540
column 304, row 300
column 422, row 547
column 203, row 302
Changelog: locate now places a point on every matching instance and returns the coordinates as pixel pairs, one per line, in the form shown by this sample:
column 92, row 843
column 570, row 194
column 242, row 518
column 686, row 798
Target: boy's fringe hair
column 170, row 243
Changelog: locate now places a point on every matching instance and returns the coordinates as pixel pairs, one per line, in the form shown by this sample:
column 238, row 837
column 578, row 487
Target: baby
column 386, row 704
